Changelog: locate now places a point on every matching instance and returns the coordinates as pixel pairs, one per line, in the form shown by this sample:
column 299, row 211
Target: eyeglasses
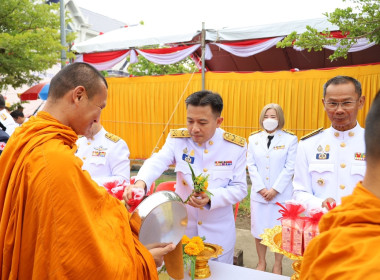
column 344, row 104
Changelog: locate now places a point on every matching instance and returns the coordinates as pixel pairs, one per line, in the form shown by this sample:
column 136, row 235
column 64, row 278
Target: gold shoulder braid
column 255, row 132
column 179, row 133
column 288, row 131
column 238, row 140
column 112, row 137
column 315, row 132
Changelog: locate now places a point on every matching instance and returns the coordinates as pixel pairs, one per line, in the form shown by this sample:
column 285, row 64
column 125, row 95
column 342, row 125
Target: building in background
column 86, row 24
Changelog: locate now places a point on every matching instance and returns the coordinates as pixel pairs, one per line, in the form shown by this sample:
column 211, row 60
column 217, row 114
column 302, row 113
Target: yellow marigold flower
column 185, row 239
column 192, row 249
column 197, row 240
column 206, row 185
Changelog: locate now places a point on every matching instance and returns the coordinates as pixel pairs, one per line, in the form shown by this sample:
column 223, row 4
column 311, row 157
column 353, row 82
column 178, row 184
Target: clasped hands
column 268, row 195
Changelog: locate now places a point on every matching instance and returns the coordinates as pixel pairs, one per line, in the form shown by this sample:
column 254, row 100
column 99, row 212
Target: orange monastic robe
column 56, row 223
column 349, row 244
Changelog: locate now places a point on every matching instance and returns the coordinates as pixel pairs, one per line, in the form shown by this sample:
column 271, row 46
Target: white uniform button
column 267, row 167
column 267, row 156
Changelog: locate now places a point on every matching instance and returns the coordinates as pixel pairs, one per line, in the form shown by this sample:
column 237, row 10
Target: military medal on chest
column 323, row 153
column 99, row 151
column 359, row 156
column 188, row 157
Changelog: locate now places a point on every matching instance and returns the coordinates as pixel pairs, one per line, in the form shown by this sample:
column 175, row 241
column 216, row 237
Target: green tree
column 29, row 40
column 362, row 20
column 146, row 68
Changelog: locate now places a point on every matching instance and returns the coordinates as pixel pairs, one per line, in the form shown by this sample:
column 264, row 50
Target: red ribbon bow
column 315, row 217
column 290, row 210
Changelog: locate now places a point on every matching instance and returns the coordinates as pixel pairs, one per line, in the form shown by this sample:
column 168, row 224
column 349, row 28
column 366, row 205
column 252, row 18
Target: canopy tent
column 229, row 49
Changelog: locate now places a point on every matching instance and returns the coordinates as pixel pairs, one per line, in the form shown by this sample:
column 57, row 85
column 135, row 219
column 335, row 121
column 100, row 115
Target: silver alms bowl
column 163, row 218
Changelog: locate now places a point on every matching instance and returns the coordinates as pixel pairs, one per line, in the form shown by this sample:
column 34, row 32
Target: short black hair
column 372, row 130
column 205, row 98
column 17, row 113
column 73, row 75
column 2, row 102
column 343, row 80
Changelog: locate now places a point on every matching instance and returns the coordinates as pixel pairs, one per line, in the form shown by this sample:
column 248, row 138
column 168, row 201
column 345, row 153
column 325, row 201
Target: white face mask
column 270, row 124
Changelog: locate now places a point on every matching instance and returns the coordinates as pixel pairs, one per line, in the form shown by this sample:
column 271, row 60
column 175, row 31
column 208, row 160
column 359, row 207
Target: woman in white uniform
column 270, row 159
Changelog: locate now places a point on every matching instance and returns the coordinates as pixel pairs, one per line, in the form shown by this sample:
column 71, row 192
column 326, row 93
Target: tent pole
column 203, row 45
column 63, row 33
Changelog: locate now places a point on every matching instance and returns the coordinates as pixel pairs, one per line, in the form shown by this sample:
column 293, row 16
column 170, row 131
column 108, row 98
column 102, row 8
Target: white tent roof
column 134, row 36
column 141, row 35
column 268, row 30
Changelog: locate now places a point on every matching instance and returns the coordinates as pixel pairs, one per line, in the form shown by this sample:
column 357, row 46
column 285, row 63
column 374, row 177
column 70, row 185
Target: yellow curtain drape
column 138, row 108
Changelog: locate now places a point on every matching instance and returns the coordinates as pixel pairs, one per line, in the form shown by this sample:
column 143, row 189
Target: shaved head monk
column 347, row 247
column 56, row 222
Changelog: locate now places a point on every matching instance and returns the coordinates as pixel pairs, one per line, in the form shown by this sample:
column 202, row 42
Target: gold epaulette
column 179, row 133
column 112, row 137
column 257, row 131
column 315, row 132
column 288, row 131
column 80, row 136
column 238, row 140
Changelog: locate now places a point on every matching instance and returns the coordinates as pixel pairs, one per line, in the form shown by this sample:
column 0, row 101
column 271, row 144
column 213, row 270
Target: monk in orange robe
column 348, row 245
column 56, row 222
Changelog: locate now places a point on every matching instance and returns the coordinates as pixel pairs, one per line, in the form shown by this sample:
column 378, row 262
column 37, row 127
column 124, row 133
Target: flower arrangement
column 200, row 184
column 191, row 249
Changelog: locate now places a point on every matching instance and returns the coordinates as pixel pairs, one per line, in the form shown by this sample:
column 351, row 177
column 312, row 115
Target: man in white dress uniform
column 105, row 156
column 330, row 162
column 211, row 151
column 7, row 122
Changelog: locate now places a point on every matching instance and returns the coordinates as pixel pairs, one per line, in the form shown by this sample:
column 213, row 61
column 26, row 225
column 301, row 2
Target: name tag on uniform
column 188, row 158
column 360, row 156
column 95, row 153
column 3, row 117
column 322, row 156
column 223, row 163
column 279, row 147
column 102, row 154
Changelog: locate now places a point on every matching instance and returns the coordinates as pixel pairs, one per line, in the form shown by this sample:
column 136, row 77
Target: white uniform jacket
column 273, row 167
column 9, row 123
column 225, row 162
column 329, row 164
column 105, row 157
